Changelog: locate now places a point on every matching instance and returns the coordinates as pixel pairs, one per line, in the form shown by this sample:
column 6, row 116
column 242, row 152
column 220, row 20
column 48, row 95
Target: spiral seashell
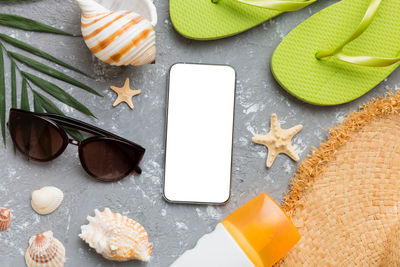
column 119, row 37
column 46, row 200
column 45, row 251
column 116, row 237
column 145, row 8
column 5, row 219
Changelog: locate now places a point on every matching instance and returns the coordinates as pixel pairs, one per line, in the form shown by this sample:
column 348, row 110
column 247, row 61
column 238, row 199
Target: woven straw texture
column 345, row 197
column 204, row 20
column 330, row 81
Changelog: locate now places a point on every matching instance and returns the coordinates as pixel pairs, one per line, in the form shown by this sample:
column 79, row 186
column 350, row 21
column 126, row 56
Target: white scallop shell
column 116, row 237
column 5, row 219
column 45, row 251
column 47, row 199
column 123, row 36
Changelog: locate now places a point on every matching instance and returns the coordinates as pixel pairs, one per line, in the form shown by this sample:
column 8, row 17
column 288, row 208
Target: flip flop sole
column 204, row 20
column 331, row 81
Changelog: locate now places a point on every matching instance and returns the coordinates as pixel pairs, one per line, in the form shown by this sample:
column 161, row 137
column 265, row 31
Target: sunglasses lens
column 108, row 160
column 35, row 137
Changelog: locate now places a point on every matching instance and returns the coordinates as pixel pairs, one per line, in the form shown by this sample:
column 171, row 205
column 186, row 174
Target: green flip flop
column 215, row 19
column 340, row 53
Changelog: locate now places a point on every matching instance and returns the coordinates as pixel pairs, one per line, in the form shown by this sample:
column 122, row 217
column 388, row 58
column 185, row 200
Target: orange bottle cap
column 262, row 230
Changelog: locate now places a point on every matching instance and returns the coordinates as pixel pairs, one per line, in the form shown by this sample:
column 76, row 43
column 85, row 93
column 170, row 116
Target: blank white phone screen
column 198, row 157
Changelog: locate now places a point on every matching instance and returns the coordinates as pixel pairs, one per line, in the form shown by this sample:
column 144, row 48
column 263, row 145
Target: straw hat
column 345, row 197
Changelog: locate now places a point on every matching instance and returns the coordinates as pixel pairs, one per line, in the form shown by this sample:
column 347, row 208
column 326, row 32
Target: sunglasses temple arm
column 80, row 125
column 67, row 122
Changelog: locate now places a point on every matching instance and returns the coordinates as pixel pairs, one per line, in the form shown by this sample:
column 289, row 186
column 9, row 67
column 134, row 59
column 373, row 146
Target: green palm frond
column 57, row 93
column 50, row 71
column 13, row 85
column 2, row 97
column 26, row 24
column 37, row 106
column 33, row 50
column 40, row 102
column 24, row 96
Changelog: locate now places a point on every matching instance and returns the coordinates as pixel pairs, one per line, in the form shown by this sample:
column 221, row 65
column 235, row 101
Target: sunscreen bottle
column 256, row 235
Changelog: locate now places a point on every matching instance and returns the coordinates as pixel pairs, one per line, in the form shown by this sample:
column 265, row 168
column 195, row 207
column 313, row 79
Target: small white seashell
column 5, row 219
column 116, row 237
column 124, row 36
column 46, row 200
column 45, row 251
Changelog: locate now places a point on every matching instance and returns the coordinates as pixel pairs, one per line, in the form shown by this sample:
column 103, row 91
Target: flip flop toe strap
column 279, row 5
column 368, row 61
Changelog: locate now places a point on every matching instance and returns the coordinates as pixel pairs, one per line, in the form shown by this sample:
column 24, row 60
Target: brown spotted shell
column 45, row 251
column 5, row 219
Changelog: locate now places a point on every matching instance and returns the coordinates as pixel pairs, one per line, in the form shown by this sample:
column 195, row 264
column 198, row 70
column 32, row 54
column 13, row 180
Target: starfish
column 125, row 94
column 278, row 141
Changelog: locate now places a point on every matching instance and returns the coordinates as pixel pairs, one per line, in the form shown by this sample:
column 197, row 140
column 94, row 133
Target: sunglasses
column 42, row 137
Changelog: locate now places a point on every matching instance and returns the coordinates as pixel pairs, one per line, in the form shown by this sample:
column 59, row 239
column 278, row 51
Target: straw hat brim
column 345, row 197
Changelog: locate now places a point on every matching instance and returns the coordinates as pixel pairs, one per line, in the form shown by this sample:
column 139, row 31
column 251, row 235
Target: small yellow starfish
column 278, row 141
column 125, row 94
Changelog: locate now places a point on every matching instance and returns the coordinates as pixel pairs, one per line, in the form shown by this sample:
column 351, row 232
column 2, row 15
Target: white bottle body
column 216, row 249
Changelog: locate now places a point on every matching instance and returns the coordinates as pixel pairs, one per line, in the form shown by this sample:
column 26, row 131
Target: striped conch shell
column 45, row 251
column 5, row 219
column 46, row 200
column 116, row 237
column 121, row 37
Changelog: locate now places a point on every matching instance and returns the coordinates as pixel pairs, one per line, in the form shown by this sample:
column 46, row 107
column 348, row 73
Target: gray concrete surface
column 172, row 228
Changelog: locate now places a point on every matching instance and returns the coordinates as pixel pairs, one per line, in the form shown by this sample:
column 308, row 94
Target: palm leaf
column 2, row 97
column 13, row 85
column 44, row 103
column 23, row 23
column 57, row 92
column 33, row 50
column 74, row 133
column 37, row 107
column 51, row 72
column 24, row 96
column 13, row 89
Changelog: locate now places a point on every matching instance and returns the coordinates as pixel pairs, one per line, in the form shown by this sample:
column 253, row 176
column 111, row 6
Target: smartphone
column 199, row 133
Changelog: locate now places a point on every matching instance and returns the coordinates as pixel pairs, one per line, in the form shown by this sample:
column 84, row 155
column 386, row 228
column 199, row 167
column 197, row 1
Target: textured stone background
column 172, row 228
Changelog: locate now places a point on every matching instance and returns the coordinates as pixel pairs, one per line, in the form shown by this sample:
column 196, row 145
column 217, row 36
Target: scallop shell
column 5, row 219
column 120, row 37
column 46, row 200
column 116, row 237
column 45, row 251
